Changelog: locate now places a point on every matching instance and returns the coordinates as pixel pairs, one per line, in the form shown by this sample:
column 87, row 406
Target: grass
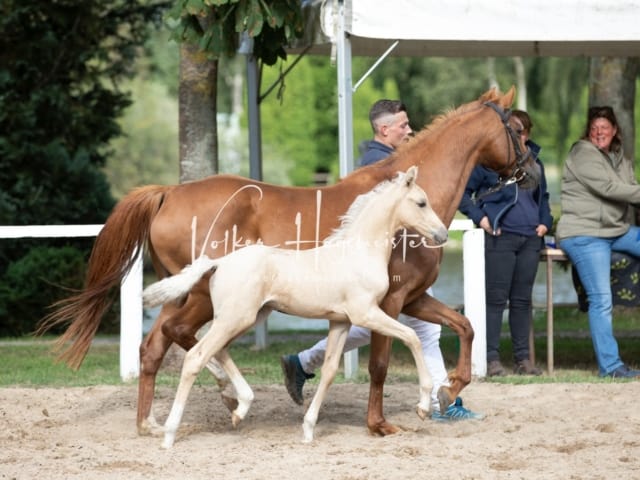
column 28, row 362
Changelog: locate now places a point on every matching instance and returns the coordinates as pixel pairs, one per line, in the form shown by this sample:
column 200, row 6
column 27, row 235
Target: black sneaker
column 294, row 377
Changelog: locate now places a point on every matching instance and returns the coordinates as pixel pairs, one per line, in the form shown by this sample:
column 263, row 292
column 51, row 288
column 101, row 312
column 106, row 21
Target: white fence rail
column 131, row 312
column 130, row 290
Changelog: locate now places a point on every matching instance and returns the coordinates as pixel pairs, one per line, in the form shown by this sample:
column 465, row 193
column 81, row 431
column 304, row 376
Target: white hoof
column 423, row 412
column 235, row 419
column 307, row 434
column 169, row 439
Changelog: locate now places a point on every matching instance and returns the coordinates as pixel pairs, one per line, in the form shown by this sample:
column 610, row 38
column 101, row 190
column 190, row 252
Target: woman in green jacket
column 599, row 192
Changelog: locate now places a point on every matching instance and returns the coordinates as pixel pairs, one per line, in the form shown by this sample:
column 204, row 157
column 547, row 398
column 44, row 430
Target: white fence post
column 474, row 296
column 131, row 322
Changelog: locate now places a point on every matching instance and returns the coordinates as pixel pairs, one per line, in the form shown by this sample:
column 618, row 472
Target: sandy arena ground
column 555, row 431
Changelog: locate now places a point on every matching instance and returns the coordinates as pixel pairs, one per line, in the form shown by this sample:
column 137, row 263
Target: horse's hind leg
column 428, row 308
column 335, row 345
column 152, row 350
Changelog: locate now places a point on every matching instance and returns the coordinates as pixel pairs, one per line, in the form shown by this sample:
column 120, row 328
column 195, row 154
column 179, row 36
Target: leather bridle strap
column 518, row 172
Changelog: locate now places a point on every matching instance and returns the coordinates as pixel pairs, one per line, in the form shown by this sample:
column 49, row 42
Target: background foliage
column 60, row 64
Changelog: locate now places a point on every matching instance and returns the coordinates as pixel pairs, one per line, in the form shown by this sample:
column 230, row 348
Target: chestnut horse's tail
column 114, row 252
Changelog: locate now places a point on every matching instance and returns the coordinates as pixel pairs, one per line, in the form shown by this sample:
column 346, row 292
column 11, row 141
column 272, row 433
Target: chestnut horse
column 344, row 280
column 219, row 214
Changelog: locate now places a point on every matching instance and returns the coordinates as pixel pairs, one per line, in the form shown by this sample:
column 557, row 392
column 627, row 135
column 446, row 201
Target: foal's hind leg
column 212, row 343
column 335, row 345
column 244, row 394
column 243, row 389
column 177, row 325
column 182, row 328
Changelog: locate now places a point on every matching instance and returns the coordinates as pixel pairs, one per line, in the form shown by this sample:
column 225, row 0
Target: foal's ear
column 410, row 177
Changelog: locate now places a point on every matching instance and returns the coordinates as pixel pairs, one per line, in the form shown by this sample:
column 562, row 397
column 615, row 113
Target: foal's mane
column 358, row 205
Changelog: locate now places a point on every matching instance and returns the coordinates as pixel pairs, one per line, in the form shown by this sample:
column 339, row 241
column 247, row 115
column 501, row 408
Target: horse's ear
column 507, row 99
column 411, row 175
column 489, row 96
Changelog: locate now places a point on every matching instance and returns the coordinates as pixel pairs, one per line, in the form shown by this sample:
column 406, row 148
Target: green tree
column 60, row 63
column 209, row 30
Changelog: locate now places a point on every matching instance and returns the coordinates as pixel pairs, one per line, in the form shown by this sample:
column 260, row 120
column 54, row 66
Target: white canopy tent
column 464, row 28
column 461, row 28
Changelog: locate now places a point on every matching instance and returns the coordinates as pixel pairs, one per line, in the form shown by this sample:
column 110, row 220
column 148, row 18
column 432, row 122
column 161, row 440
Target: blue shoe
column 455, row 412
column 294, row 377
column 623, row 372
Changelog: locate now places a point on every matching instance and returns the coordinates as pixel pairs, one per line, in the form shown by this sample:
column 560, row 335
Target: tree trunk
column 613, row 82
column 198, row 107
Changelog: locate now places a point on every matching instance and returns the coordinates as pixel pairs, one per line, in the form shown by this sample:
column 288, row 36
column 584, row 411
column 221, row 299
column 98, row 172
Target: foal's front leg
column 375, row 319
column 335, row 345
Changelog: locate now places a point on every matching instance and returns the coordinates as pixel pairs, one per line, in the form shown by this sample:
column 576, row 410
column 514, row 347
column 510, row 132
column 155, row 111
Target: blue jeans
column 591, row 257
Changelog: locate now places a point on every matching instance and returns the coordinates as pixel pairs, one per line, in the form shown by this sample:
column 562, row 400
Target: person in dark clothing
column 515, row 221
column 390, row 124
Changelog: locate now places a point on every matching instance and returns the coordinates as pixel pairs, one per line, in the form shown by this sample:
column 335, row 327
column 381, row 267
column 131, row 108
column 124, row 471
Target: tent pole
column 345, row 126
column 345, row 91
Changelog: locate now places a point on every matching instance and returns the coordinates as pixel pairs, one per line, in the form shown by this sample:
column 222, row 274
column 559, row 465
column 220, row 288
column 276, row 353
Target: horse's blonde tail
column 178, row 286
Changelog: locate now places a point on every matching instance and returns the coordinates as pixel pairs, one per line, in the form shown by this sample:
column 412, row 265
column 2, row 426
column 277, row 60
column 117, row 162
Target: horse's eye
column 422, row 204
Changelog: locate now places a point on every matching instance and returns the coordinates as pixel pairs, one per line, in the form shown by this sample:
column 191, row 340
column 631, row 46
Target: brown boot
column 495, row 369
column 525, row 367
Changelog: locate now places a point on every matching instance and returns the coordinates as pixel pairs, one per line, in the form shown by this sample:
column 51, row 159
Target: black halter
column 518, row 173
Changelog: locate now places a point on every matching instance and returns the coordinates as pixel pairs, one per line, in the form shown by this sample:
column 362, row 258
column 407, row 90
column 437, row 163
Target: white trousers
column 428, row 333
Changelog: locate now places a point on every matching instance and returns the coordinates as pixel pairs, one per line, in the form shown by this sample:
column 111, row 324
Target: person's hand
column 485, row 224
column 541, row 230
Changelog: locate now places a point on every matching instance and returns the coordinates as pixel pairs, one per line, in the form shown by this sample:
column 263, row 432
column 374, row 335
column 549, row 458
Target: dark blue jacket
column 376, row 151
column 496, row 204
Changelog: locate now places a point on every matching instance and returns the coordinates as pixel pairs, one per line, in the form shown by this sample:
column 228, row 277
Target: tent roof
column 467, row 28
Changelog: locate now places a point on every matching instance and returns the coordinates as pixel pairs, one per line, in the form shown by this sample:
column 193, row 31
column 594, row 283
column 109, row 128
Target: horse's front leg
column 429, row 309
column 336, row 339
column 378, row 366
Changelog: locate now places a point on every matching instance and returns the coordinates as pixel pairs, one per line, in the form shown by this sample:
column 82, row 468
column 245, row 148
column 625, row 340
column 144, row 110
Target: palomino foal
column 343, row 280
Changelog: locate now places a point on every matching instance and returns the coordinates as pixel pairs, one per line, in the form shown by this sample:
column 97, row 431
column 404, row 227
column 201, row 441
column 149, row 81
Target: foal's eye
column 422, row 203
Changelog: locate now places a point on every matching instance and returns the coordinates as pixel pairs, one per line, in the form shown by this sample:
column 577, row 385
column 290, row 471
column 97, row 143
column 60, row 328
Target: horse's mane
column 440, row 120
column 358, row 205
